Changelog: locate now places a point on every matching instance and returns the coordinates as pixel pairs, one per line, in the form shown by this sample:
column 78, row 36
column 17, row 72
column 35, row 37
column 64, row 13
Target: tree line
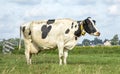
column 86, row 42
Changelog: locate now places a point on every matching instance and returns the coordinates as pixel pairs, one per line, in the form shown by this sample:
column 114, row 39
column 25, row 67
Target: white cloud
column 57, row 11
column 114, row 10
column 15, row 12
column 118, row 0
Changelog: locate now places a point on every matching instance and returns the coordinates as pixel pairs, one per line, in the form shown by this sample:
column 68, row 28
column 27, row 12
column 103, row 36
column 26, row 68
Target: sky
column 13, row 13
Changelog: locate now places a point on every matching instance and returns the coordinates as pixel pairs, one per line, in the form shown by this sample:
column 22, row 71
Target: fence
column 8, row 47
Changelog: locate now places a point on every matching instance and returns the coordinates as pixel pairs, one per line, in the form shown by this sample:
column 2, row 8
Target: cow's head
column 89, row 26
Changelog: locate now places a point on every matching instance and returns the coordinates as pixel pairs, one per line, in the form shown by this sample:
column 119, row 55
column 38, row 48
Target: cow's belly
column 44, row 43
column 46, row 46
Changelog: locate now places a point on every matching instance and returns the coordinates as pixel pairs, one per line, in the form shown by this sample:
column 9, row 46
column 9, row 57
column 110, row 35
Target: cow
column 55, row 33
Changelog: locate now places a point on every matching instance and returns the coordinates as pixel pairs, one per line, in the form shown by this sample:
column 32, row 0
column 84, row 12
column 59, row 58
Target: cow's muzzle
column 97, row 33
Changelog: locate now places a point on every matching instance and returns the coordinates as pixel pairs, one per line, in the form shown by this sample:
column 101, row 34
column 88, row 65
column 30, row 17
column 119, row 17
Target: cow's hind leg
column 27, row 53
column 29, row 50
column 60, row 49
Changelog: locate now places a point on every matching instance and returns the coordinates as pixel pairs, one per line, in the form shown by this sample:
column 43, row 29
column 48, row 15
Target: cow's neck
column 80, row 31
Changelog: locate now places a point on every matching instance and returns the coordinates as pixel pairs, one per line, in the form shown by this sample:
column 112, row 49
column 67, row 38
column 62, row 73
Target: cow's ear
column 88, row 17
column 94, row 21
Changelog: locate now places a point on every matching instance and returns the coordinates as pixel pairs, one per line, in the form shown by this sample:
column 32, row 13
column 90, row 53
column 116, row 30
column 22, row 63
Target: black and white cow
column 60, row 33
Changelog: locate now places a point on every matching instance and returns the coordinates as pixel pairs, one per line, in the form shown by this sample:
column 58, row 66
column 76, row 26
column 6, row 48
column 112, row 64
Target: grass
column 81, row 60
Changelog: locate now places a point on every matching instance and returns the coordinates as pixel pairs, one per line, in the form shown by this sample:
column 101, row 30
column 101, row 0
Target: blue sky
column 15, row 12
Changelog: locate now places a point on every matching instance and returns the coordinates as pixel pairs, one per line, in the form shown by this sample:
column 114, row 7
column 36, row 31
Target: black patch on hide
column 78, row 22
column 51, row 21
column 75, row 38
column 72, row 25
column 75, row 26
column 23, row 29
column 67, row 31
column 29, row 33
column 45, row 30
column 78, row 31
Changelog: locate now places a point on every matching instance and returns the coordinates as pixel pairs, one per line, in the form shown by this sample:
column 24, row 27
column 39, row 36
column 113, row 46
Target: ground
column 81, row 60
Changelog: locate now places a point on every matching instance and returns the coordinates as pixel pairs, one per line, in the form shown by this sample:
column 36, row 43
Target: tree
column 115, row 40
column 106, row 40
column 96, row 41
column 119, row 42
column 86, row 42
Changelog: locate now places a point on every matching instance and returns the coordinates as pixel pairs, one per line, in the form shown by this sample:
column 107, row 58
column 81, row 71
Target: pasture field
column 81, row 60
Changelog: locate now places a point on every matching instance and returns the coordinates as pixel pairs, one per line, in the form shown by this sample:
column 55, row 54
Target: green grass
column 81, row 60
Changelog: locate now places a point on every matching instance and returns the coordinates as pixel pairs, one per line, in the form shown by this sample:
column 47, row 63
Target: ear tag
column 82, row 29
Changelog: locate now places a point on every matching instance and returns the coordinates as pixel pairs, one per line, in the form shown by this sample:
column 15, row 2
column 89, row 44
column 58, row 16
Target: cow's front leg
column 65, row 56
column 61, row 55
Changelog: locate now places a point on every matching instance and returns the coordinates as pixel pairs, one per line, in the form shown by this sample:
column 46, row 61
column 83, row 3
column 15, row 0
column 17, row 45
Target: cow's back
column 48, row 35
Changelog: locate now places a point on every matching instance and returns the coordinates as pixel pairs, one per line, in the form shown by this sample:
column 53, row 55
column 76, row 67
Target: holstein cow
column 60, row 33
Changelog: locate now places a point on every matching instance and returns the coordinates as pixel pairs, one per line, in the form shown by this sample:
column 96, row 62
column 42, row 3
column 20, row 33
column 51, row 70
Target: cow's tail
column 19, row 46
